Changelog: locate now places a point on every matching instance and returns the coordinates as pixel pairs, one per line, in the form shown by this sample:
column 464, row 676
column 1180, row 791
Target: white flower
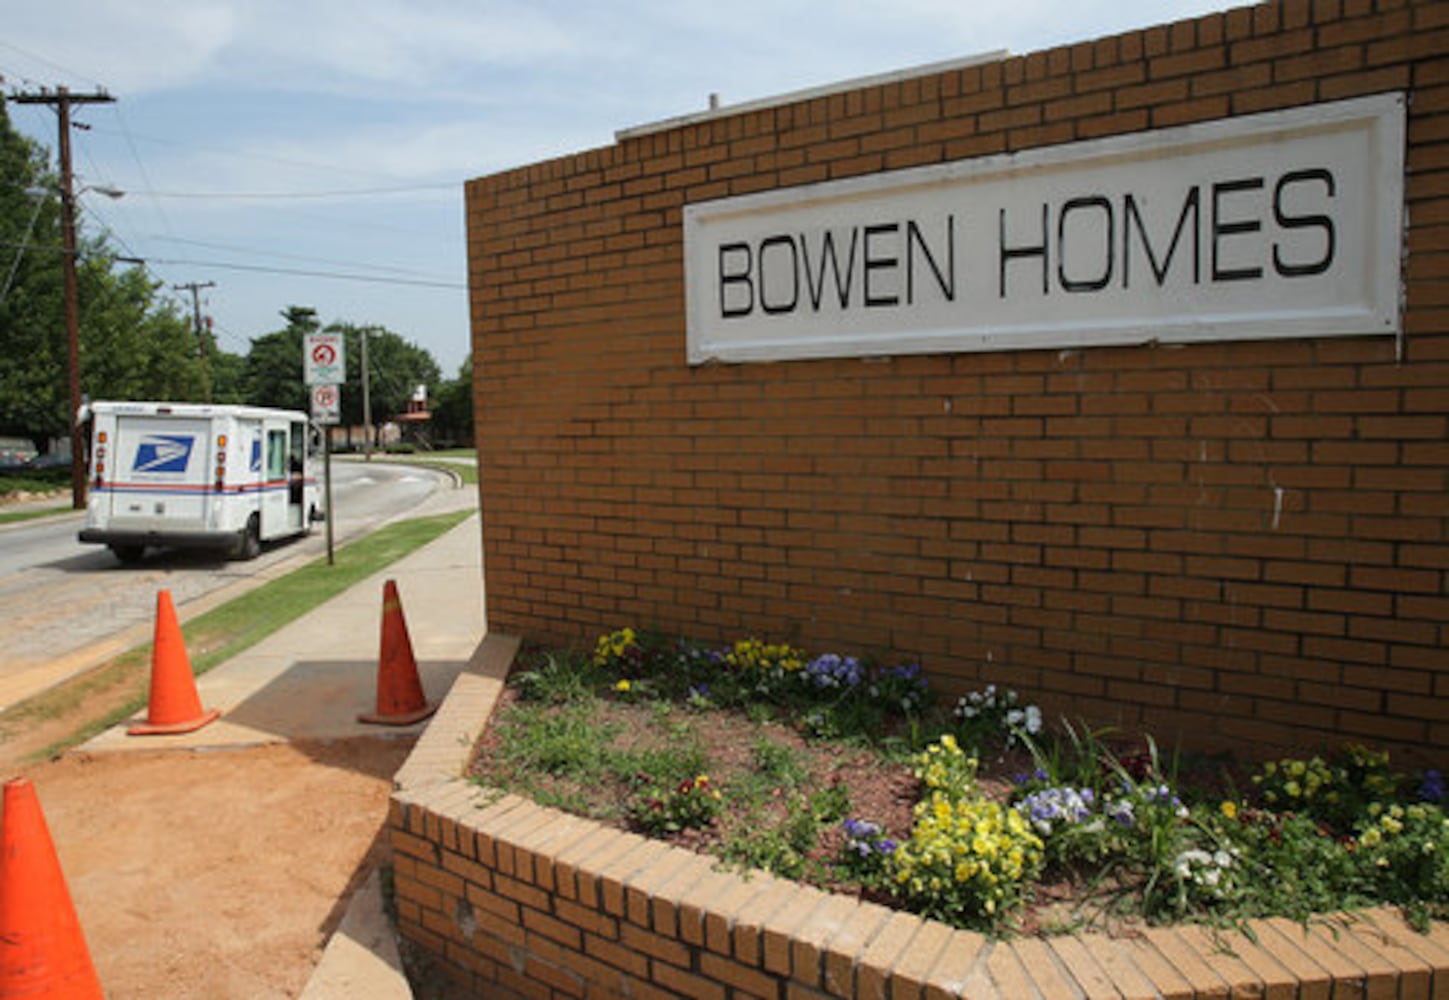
column 1033, row 719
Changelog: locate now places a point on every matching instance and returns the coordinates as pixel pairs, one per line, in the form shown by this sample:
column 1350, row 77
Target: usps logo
column 256, row 462
column 164, row 453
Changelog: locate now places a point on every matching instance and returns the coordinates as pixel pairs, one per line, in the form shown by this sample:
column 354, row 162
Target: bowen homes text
column 1285, row 224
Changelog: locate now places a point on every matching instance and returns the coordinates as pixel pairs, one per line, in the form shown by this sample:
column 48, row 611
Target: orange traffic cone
column 174, row 706
column 42, row 949
column 400, row 700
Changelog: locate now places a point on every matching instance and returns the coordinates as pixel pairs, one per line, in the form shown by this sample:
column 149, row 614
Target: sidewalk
column 309, row 681
column 311, row 678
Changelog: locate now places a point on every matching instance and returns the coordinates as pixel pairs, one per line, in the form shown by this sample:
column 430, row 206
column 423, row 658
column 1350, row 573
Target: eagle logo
column 164, row 453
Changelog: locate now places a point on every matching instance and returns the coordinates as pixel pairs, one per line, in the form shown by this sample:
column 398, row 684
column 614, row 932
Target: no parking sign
column 326, row 404
column 322, row 359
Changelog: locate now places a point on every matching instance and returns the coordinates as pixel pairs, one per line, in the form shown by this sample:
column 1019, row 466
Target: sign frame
column 326, row 404
column 743, row 255
column 324, row 359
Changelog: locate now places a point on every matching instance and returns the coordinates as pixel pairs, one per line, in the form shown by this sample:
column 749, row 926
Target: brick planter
column 517, row 900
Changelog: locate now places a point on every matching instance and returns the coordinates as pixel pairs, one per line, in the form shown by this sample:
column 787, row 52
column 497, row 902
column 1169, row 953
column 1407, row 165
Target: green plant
column 865, row 854
column 557, row 678
column 968, row 861
column 619, row 652
column 990, row 717
column 968, row 858
column 761, row 669
column 691, row 805
column 565, row 742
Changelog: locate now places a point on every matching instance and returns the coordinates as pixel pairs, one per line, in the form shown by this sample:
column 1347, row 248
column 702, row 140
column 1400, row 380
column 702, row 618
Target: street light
column 72, row 320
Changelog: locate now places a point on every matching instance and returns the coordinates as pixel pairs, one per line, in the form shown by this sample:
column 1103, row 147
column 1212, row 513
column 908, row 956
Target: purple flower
column 835, row 671
column 1432, row 789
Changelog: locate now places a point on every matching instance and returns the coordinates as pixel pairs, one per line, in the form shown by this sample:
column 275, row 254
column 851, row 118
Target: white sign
column 326, row 404
column 1286, row 224
column 323, row 362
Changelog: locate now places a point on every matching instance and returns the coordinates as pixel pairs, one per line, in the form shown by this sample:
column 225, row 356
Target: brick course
column 1255, row 532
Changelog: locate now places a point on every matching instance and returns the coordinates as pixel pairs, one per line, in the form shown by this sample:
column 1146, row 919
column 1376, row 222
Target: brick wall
column 1240, row 543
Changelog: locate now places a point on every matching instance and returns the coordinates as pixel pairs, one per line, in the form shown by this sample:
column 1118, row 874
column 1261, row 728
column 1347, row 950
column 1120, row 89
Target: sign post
column 324, row 369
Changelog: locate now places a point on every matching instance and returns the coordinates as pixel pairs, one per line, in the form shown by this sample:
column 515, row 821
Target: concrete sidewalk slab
column 310, row 679
column 361, row 961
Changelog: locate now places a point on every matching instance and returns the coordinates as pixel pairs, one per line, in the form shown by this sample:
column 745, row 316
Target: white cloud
column 86, row 43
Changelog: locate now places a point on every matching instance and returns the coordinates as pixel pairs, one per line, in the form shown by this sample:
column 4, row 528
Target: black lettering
column 1009, row 254
column 775, row 308
column 815, row 281
column 1287, row 221
column 1223, row 228
column 1190, row 204
column 728, row 278
column 946, row 282
column 874, row 263
column 1109, row 245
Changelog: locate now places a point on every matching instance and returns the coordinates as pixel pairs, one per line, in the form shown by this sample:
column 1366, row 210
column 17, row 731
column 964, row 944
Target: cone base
column 398, row 718
column 174, row 728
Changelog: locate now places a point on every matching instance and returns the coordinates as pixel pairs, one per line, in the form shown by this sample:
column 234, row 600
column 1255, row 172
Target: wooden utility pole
column 62, row 99
column 195, row 287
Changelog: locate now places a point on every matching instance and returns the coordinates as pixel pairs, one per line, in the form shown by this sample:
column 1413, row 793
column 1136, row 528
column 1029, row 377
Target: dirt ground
column 216, row 874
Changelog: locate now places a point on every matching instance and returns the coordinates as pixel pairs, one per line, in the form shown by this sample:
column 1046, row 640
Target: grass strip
column 13, row 516
column 223, row 632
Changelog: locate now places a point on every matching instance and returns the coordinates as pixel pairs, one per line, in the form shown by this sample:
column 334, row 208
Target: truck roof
column 193, row 410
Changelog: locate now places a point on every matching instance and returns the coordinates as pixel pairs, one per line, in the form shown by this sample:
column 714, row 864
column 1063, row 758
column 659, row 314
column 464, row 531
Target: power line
column 286, row 256
column 370, row 279
column 303, row 195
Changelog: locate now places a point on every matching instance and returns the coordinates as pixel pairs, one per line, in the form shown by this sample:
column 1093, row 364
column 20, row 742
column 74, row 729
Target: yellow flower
column 1229, row 809
column 622, row 685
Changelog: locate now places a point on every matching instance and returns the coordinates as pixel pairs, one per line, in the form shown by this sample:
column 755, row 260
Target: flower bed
column 513, row 899
column 1089, row 830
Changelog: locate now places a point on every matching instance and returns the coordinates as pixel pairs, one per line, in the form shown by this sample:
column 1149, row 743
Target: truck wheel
column 249, row 546
column 129, row 555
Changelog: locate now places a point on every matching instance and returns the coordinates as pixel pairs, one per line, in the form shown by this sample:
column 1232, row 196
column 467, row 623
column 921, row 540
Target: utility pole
column 62, row 99
column 195, row 287
column 366, row 403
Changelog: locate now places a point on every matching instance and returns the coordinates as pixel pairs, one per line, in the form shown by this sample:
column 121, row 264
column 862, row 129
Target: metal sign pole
column 327, row 480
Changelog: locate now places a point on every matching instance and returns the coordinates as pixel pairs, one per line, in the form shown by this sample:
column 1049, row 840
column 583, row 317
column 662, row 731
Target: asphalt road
column 65, row 606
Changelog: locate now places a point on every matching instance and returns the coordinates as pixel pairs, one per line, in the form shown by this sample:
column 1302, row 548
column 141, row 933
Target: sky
column 313, row 152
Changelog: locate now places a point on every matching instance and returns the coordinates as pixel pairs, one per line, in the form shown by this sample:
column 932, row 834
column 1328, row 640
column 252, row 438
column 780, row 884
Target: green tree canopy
column 453, row 408
column 396, row 368
column 274, row 364
column 132, row 343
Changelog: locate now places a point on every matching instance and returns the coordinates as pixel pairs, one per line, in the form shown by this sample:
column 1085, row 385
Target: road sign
column 326, row 404
column 322, row 359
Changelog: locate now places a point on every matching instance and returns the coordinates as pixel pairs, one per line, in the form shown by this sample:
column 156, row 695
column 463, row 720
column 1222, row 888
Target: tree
column 453, row 408
column 228, row 378
column 273, row 370
column 396, row 367
column 31, row 348
column 133, row 344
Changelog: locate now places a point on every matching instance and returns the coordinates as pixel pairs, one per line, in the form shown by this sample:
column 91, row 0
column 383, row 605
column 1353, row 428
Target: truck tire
column 128, row 555
column 249, row 546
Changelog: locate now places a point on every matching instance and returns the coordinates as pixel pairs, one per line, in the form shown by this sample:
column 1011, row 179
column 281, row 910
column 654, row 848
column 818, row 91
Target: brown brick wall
column 1242, row 543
